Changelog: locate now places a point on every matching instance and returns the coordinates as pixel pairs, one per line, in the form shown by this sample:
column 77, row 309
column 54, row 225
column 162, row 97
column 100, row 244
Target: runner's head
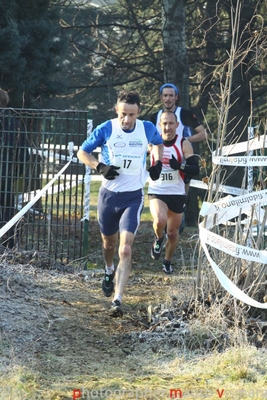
column 169, row 95
column 168, row 124
column 128, row 109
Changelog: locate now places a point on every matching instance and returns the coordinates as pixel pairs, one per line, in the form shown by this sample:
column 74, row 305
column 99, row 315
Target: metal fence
column 34, row 148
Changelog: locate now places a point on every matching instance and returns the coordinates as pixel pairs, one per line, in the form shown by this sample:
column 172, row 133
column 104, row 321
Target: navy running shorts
column 118, row 212
column 175, row 202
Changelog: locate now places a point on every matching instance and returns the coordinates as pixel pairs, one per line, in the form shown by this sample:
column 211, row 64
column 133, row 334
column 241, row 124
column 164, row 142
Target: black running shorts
column 175, row 202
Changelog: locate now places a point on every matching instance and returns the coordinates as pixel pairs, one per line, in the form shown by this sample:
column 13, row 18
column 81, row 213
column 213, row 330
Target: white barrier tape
column 228, row 284
column 231, row 248
column 253, row 144
column 28, row 206
column 228, row 208
column 221, row 188
column 194, row 183
column 229, row 202
column 243, row 161
column 65, row 177
column 52, row 146
column 25, row 197
column 223, row 217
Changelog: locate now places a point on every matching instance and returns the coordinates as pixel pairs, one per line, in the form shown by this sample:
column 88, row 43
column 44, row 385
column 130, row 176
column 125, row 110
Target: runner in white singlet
column 124, row 142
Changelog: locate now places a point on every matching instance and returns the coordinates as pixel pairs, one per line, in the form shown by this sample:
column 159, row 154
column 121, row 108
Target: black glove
column 174, row 164
column 108, row 171
column 155, row 171
column 189, row 168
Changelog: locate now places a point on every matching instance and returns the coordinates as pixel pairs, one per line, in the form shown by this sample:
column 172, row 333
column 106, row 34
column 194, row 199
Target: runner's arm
column 199, row 136
column 188, row 118
column 88, row 159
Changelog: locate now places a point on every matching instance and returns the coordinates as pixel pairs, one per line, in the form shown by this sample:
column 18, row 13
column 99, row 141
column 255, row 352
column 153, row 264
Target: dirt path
column 54, row 318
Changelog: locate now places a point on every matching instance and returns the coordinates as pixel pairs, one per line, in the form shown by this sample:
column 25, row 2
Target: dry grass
column 213, row 357
column 56, row 336
column 238, row 373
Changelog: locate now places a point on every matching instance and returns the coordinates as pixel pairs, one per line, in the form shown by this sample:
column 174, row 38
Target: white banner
column 220, row 188
column 229, row 285
column 233, row 249
column 242, row 161
column 253, row 144
column 228, row 203
column 230, row 207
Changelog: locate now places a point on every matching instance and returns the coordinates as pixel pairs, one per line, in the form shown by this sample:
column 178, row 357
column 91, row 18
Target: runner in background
column 189, row 126
column 167, row 196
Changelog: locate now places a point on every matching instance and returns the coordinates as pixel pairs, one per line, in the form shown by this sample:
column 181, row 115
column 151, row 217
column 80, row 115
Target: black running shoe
column 167, row 267
column 108, row 284
column 156, row 248
column 115, row 310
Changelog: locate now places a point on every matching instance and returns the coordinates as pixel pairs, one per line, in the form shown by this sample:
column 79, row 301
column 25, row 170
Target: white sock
column 118, row 298
column 109, row 270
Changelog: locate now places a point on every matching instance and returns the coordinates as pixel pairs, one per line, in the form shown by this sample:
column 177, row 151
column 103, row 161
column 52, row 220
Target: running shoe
column 167, row 267
column 115, row 310
column 156, row 248
column 108, row 284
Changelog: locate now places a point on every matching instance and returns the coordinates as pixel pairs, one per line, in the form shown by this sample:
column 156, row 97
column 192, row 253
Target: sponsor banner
column 243, row 161
column 227, row 208
column 228, row 202
column 233, row 249
column 228, row 285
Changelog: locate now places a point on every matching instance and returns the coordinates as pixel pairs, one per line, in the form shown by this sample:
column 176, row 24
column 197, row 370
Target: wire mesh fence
column 35, row 145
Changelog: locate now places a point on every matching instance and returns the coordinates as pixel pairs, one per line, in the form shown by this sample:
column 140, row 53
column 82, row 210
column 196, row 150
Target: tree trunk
column 175, row 65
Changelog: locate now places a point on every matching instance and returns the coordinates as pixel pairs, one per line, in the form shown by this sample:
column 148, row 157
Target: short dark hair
column 129, row 97
column 169, row 112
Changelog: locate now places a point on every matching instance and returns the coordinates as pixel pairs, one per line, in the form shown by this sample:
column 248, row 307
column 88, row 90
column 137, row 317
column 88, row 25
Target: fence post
column 87, row 181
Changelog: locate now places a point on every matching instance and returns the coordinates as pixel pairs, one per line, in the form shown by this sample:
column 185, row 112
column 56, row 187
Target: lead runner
column 124, row 142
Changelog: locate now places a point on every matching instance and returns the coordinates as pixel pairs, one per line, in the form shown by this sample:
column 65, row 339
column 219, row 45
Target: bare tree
column 175, row 63
column 245, row 273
